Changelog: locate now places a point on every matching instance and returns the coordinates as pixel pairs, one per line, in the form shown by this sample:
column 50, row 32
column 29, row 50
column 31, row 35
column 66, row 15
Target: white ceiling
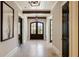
column 44, row 5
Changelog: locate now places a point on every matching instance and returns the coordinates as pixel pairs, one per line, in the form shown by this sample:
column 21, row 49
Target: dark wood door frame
column 78, row 28
column 37, row 11
column 20, row 35
column 65, row 30
column 41, row 35
column 50, row 31
column 36, row 17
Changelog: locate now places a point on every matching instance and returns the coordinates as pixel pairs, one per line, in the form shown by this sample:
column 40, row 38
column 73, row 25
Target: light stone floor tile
column 35, row 48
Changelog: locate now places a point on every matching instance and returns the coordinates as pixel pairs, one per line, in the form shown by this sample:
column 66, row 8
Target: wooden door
column 36, row 30
column 65, row 30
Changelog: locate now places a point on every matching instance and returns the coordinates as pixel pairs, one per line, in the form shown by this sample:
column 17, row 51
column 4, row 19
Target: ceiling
column 44, row 5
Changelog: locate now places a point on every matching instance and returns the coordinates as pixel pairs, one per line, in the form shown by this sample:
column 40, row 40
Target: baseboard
column 57, row 51
column 10, row 54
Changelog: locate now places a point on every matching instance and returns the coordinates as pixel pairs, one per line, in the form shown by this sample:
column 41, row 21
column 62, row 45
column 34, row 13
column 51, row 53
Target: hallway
column 35, row 48
column 39, row 28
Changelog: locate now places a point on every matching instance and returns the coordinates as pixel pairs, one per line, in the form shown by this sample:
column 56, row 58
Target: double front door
column 37, row 30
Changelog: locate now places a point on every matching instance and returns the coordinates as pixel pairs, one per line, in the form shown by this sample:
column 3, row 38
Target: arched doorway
column 37, row 30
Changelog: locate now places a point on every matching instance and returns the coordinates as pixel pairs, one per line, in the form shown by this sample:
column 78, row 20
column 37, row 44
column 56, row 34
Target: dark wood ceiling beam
column 35, row 11
column 36, row 17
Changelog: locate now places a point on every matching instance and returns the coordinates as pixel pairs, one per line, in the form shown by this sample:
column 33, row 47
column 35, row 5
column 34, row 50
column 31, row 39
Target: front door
column 36, row 30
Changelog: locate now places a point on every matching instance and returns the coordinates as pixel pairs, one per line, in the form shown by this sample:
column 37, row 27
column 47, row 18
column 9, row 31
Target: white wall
column 9, row 45
column 56, row 12
column 25, row 28
column 48, row 28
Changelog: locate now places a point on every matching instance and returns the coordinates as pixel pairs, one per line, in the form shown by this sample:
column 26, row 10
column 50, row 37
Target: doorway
column 51, row 23
column 65, row 30
column 20, row 31
column 37, row 30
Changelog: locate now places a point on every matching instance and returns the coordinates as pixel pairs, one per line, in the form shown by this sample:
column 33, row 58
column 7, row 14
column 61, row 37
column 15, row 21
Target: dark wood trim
column 78, row 28
column 36, row 11
column 50, row 31
column 36, row 17
column 7, row 4
column 2, row 21
column 20, row 38
column 65, row 41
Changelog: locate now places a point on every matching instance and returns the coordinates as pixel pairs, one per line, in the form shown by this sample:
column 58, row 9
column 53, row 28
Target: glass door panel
column 40, row 28
column 33, row 28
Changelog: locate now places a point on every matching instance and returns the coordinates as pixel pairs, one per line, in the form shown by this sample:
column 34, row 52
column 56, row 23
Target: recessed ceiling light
column 34, row 3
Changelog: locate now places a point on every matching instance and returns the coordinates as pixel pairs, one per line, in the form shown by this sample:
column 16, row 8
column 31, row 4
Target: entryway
column 36, row 30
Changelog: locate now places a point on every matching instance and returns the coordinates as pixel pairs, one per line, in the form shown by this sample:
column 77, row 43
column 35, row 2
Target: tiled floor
column 35, row 48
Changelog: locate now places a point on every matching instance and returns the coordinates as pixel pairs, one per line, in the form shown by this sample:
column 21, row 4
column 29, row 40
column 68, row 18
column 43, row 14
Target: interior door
column 37, row 30
column 65, row 30
column 20, row 31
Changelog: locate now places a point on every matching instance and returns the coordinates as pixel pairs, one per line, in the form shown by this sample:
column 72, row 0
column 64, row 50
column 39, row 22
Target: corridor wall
column 7, row 46
column 56, row 12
